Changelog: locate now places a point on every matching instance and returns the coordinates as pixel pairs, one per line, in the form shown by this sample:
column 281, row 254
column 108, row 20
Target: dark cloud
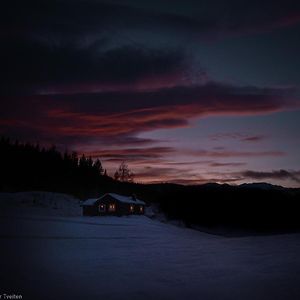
column 131, row 154
column 121, row 115
column 253, row 138
column 243, row 137
column 233, row 153
column 29, row 66
column 93, row 43
column 171, row 175
column 162, row 173
column 203, row 180
column 278, row 174
column 89, row 18
column 182, row 176
column 227, row 164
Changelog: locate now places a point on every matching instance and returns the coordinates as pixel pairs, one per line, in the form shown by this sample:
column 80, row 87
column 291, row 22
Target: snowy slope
column 39, row 203
column 58, row 257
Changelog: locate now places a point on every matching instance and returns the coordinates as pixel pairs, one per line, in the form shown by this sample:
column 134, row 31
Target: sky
column 183, row 91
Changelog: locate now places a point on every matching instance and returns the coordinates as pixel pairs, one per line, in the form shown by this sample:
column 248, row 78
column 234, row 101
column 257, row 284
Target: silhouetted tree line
column 25, row 166
column 247, row 207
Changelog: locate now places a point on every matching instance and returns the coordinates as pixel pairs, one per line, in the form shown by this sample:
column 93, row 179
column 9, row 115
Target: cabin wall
column 137, row 209
column 121, row 208
column 89, row 211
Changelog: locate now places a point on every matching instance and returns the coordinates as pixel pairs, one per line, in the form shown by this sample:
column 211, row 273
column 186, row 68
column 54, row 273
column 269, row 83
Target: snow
column 39, row 203
column 58, row 256
column 125, row 199
column 89, row 202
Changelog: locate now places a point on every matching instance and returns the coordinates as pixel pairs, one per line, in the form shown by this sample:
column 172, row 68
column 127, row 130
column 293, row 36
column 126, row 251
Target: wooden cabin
column 113, row 204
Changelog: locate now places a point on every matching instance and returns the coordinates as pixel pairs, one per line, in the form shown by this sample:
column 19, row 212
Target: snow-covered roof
column 89, row 202
column 121, row 198
column 126, row 199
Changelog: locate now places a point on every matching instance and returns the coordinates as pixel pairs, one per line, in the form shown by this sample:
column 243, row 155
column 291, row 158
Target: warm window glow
column 131, row 208
column 102, row 208
column 112, row 207
column 141, row 208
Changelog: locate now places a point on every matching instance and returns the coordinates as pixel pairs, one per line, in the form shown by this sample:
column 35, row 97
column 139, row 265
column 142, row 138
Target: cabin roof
column 89, row 202
column 120, row 198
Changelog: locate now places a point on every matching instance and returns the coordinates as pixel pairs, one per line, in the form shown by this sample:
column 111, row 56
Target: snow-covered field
column 48, row 254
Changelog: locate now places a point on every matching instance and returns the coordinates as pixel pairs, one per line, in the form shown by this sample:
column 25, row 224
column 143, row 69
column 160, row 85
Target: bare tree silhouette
column 123, row 173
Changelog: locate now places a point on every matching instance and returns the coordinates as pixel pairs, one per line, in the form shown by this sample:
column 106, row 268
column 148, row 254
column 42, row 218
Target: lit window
column 112, row 207
column 141, row 208
column 102, row 207
column 131, row 208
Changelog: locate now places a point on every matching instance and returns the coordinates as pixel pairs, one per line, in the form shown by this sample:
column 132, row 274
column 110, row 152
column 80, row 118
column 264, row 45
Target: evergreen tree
column 29, row 166
column 74, row 158
column 98, row 166
column 82, row 161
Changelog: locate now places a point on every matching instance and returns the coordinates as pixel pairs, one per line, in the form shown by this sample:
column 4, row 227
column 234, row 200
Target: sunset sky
column 183, row 91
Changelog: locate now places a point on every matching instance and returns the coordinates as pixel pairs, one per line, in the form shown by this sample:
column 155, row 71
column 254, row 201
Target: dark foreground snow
column 58, row 257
